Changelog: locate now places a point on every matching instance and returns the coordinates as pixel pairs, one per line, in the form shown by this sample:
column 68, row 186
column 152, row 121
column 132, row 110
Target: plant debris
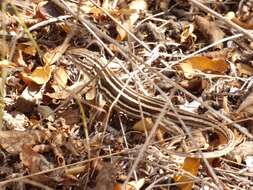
column 84, row 85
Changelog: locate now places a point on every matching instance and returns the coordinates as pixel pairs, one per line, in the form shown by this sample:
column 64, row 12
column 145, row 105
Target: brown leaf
column 203, row 64
column 91, row 94
column 245, row 25
column 36, row 162
column 244, row 69
column 33, row 160
column 210, row 30
column 19, row 59
column 106, row 178
column 190, row 165
column 27, row 100
column 5, row 50
column 12, row 141
column 52, row 56
column 47, row 9
column 46, row 112
column 69, row 90
column 145, row 125
column 195, row 85
column 246, row 105
column 28, row 48
column 71, row 115
column 199, row 141
column 58, row 155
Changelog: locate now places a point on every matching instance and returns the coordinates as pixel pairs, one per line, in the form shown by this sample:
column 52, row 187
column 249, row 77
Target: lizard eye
column 81, row 58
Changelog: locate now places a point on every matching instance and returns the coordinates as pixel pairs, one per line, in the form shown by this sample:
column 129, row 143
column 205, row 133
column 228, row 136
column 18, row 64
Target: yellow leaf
column 28, row 48
column 203, row 64
column 122, row 34
column 40, row 75
column 143, row 125
column 132, row 185
column 60, row 79
column 190, row 165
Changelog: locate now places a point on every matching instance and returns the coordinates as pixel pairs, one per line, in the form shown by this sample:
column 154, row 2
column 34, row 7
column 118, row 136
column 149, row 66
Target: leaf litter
column 57, row 130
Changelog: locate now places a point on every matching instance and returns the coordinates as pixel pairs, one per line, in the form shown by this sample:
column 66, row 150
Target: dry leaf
column 53, row 55
column 28, row 99
column 15, row 121
column 19, row 59
column 4, row 46
column 246, row 105
column 137, row 6
column 46, row 112
column 36, row 162
column 70, row 90
column 135, row 185
column 210, row 30
column 164, row 4
column 7, row 64
column 60, row 79
column 188, row 34
column 47, row 10
column 87, row 7
column 191, row 165
column 240, row 152
column 132, row 185
column 230, row 15
column 58, row 154
column 145, row 125
column 244, row 69
column 33, row 160
column 247, row 26
column 195, row 85
column 203, row 64
column 40, row 75
column 71, row 115
column 106, row 178
column 91, row 94
column 28, row 48
column 122, row 34
column 12, row 141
